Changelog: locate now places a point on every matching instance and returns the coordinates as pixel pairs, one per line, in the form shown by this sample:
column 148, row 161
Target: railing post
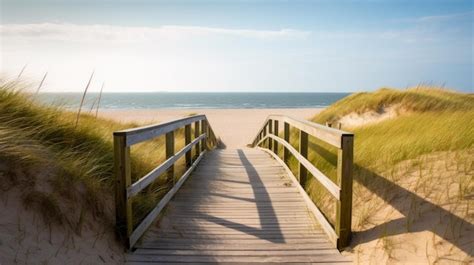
column 265, row 128
column 270, row 131
column 170, row 153
column 303, row 146
column 275, row 132
column 204, row 130
column 123, row 205
column 197, row 132
column 286, row 135
column 344, row 181
column 187, row 140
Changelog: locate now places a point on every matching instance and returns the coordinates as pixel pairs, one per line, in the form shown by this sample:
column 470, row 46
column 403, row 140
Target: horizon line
column 194, row 92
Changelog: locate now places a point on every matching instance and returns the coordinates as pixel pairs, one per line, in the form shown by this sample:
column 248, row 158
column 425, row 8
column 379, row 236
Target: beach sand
column 235, row 127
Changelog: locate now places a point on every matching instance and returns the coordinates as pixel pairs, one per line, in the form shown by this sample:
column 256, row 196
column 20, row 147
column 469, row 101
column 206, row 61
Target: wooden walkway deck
column 237, row 206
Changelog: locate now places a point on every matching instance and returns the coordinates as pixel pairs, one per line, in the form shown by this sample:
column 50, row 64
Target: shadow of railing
column 391, row 194
column 270, row 229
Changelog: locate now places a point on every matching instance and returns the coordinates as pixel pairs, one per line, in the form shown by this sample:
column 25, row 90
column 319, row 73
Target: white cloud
column 444, row 17
column 75, row 32
column 435, row 18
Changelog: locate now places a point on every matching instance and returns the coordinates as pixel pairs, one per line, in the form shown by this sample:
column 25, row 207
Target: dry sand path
column 236, row 127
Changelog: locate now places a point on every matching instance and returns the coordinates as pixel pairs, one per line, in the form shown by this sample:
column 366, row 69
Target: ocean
column 182, row 100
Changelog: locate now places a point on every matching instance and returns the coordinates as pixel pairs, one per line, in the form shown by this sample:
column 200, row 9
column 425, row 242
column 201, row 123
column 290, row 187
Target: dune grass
column 65, row 165
column 431, row 122
column 417, row 99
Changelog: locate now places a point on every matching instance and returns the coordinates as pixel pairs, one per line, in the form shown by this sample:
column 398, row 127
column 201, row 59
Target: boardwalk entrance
column 240, row 205
column 237, row 206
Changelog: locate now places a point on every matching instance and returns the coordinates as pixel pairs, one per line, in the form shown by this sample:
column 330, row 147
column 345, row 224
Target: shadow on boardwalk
column 264, row 208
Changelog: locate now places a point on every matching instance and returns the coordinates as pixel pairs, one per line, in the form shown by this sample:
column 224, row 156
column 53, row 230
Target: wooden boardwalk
column 237, row 206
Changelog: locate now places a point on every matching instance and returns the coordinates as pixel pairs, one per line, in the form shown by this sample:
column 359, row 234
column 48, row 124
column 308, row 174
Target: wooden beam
column 265, row 130
column 123, row 179
column 270, row 131
column 286, row 135
column 275, row 132
column 204, row 131
column 344, row 180
column 187, row 140
column 169, row 153
column 197, row 132
column 137, row 135
column 303, row 150
column 329, row 135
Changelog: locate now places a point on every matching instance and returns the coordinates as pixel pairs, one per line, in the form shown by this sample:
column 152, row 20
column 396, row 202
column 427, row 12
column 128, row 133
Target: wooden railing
column 268, row 138
column 204, row 139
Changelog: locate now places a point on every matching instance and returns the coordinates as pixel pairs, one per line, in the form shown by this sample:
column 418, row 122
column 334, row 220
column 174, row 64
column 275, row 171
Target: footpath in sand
column 235, row 127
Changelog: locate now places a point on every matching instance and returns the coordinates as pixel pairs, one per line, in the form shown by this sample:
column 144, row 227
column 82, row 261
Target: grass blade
column 83, row 97
column 98, row 103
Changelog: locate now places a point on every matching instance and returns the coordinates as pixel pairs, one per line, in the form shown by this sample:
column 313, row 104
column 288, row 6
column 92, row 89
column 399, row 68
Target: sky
column 228, row 46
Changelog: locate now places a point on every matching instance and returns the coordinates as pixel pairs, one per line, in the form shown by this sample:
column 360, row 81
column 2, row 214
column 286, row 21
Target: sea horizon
column 194, row 100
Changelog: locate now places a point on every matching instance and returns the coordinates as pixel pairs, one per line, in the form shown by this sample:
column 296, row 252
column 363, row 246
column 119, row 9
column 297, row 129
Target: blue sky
column 239, row 45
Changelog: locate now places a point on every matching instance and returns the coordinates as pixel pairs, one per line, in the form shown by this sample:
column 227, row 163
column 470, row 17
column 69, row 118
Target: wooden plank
column 244, row 215
column 123, row 179
column 247, row 196
column 234, row 237
column 245, row 252
column 140, row 134
column 325, row 181
column 314, row 258
column 303, row 151
column 286, row 135
column 187, row 140
column 245, row 228
column 215, row 209
column 169, row 141
column 141, row 228
column 139, row 185
column 247, row 221
column 327, row 227
column 242, row 204
column 344, row 179
column 237, row 246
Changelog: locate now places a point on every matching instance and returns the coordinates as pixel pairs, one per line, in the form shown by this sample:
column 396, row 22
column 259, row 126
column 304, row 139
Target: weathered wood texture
column 125, row 190
column 341, row 190
column 237, row 206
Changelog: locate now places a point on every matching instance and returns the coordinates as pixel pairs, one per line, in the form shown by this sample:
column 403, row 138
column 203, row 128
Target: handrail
column 268, row 139
column 204, row 138
column 325, row 181
column 327, row 134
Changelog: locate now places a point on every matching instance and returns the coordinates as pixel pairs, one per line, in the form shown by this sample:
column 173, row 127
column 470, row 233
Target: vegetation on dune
column 422, row 157
column 417, row 99
column 60, row 168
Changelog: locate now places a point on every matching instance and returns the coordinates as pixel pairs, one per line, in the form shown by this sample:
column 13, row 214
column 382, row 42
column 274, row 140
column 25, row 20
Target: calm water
column 195, row 100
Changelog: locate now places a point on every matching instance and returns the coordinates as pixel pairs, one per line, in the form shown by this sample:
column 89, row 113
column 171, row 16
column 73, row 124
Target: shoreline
column 235, row 127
